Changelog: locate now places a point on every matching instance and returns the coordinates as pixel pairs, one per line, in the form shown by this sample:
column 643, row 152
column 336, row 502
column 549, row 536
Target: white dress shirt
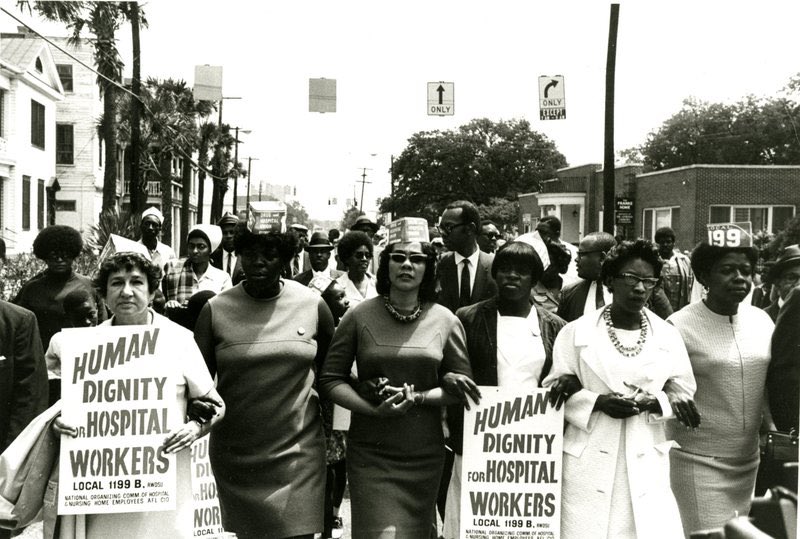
column 473, row 267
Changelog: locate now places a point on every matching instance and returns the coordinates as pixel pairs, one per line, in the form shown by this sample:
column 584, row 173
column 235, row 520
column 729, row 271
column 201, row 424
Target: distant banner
column 118, row 389
column 511, row 474
column 207, row 518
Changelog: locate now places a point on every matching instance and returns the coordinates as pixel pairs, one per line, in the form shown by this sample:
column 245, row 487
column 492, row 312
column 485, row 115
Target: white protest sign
column 207, row 518
column 511, row 474
column 118, row 390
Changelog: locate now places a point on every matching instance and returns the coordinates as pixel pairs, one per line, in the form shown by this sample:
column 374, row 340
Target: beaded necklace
column 404, row 318
column 627, row 351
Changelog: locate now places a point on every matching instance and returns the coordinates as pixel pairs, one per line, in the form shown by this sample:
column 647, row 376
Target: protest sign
column 207, row 518
column 511, row 472
column 118, row 390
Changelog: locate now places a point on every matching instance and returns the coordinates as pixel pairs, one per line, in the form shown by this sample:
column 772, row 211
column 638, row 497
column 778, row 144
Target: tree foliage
column 482, row 161
column 349, row 217
column 751, row 131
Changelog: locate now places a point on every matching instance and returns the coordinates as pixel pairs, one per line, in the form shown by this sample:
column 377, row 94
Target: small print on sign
column 730, row 234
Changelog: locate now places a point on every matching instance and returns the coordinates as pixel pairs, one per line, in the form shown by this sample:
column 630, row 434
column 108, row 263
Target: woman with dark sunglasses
column 355, row 252
column 616, row 451
column 403, row 344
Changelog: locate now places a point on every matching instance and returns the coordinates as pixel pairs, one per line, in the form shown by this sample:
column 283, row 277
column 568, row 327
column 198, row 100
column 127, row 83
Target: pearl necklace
column 627, row 351
column 404, row 318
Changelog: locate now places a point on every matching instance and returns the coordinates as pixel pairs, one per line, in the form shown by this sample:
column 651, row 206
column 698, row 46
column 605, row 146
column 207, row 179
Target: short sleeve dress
column 394, row 464
column 268, row 452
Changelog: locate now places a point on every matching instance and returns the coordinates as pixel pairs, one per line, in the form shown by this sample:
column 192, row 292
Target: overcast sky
column 383, row 53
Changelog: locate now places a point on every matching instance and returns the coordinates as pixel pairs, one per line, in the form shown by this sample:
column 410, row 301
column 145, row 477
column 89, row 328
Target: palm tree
column 102, row 19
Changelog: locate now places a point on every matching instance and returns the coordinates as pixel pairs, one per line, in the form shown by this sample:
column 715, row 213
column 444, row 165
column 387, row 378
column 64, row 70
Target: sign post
column 441, row 101
column 623, row 213
column 551, row 98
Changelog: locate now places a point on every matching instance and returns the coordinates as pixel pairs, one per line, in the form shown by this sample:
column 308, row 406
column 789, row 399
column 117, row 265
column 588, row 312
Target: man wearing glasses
column 487, row 239
column 588, row 294
column 464, row 272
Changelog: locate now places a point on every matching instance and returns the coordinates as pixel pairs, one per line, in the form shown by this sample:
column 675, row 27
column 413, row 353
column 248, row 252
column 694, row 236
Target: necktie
column 599, row 300
column 464, row 293
column 296, row 265
column 230, row 269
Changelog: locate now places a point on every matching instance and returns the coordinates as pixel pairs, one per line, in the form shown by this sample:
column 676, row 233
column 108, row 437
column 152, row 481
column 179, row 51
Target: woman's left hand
column 183, row 437
column 566, row 385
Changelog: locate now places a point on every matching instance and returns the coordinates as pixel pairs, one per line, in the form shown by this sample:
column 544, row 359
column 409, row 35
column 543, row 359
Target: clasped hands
column 389, row 400
column 638, row 400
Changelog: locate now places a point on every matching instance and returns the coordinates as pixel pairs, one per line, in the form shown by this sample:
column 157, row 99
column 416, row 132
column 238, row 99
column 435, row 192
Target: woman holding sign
column 264, row 338
column 616, row 467
column 128, row 282
column 714, row 470
column 395, row 446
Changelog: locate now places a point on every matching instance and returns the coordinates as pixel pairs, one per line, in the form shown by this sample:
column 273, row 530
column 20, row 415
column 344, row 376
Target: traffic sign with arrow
column 440, row 99
column 551, row 98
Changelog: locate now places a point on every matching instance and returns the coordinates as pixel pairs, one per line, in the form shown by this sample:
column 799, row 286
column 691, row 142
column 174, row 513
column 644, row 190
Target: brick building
column 685, row 198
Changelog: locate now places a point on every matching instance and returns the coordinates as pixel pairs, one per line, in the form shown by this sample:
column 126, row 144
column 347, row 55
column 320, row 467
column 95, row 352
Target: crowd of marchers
column 332, row 361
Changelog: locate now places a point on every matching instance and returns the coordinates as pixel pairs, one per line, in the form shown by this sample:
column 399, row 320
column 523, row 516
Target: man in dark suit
column 784, row 275
column 23, row 373
column 783, row 375
column 592, row 250
column 465, row 278
column 460, row 225
column 225, row 257
column 319, row 253
column 590, row 293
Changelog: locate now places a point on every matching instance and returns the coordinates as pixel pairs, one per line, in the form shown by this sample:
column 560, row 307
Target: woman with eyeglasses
column 355, row 253
column 728, row 340
column 395, row 446
column 616, row 451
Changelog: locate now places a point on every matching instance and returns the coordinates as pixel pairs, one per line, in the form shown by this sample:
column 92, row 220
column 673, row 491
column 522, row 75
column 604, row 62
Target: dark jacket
column 23, row 373
column 480, row 324
column 573, row 300
column 772, row 310
column 483, row 288
column 783, row 375
column 216, row 260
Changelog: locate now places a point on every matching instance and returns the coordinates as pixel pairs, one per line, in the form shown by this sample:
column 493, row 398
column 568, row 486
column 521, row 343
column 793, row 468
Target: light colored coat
column 591, row 439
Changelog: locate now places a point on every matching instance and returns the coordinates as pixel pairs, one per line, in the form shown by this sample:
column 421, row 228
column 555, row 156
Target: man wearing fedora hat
column 319, row 250
column 300, row 261
column 784, row 276
column 224, row 257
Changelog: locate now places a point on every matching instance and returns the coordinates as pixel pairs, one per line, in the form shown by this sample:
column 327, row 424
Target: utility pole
column 249, row 166
column 608, row 158
column 362, row 182
column 391, row 183
column 236, row 167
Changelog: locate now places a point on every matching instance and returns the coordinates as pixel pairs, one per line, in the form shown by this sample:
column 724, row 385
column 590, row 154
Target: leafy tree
column 349, row 217
column 296, row 213
column 479, row 161
column 752, row 131
column 503, row 212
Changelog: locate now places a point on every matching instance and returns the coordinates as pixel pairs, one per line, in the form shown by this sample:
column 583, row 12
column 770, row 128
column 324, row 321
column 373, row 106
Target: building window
column 2, row 113
column 65, row 74
column 655, row 218
column 37, row 124
column 65, row 205
column 40, row 204
column 39, row 66
column 770, row 218
column 65, row 143
column 26, row 203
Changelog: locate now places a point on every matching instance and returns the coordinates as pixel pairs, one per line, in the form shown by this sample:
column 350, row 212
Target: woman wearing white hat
column 182, row 278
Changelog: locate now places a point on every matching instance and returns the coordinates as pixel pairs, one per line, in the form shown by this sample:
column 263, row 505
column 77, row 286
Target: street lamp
column 236, row 166
column 249, row 166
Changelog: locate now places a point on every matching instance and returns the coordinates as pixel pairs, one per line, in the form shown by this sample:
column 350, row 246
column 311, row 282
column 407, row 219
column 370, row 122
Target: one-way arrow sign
column 551, row 98
column 440, row 99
